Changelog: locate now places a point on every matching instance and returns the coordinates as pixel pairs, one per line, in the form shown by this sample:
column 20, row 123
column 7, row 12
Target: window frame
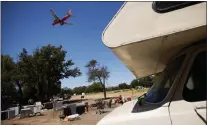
column 174, row 7
column 184, row 78
column 188, row 75
column 172, row 81
column 169, row 95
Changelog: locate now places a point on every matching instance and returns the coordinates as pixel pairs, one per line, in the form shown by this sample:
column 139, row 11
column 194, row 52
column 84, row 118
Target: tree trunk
column 104, row 90
column 103, row 85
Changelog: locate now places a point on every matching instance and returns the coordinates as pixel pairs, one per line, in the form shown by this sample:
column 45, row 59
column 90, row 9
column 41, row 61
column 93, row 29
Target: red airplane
column 57, row 20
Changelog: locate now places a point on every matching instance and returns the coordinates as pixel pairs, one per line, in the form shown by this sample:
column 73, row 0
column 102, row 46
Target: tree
column 66, row 90
column 44, row 69
column 8, row 90
column 80, row 89
column 134, row 83
column 95, row 87
column 65, row 93
column 146, row 81
column 123, row 86
column 97, row 73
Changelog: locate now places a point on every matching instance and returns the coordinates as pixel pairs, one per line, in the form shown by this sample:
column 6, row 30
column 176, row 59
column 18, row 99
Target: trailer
column 168, row 38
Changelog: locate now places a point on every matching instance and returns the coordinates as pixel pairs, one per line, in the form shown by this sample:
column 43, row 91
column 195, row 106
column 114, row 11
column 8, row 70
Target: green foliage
column 66, row 90
column 80, row 89
column 145, row 82
column 95, row 87
column 65, row 93
column 40, row 72
column 8, row 90
column 97, row 73
column 134, row 83
column 113, row 88
column 124, row 86
column 7, row 77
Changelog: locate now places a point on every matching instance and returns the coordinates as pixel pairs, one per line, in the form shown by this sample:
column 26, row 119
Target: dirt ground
column 51, row 118
column 90, row 118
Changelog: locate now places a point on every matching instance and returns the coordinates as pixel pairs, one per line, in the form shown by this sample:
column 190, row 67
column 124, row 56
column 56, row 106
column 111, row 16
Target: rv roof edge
column 146, row 43
column 111, row 21
column 130, row 25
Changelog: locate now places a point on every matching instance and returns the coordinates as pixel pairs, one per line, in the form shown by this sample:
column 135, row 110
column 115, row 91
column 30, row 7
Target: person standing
column 82, row 95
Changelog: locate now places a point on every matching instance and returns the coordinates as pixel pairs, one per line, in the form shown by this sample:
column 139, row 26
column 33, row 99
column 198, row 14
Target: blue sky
column 29, row 25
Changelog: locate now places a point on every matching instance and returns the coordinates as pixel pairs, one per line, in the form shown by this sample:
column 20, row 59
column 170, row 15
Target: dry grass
column 116, row 93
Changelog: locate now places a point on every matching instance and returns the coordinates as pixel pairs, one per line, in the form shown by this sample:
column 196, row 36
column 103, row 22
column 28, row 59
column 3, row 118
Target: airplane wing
column 69, row 14
column 68, row 23
column 54, row 15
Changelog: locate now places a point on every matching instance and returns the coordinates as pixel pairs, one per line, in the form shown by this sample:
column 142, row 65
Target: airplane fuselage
column 61, row 22
column 58, row 21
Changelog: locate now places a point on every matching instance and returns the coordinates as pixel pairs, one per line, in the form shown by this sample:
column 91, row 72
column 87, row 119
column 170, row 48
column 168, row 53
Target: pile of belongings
column 72, row 117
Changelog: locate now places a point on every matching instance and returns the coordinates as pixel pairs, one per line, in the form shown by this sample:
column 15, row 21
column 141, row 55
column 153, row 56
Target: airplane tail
column 70, row 12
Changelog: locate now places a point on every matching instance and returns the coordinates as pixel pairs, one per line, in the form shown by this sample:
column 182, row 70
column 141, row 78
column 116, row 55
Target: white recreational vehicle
column 168, row 38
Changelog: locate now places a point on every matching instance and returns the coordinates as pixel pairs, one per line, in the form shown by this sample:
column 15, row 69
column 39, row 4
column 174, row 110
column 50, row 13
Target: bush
column 95, row 87
column 79, row 90
column 124, row 86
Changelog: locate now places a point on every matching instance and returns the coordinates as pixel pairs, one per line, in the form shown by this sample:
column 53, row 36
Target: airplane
column 57, row 20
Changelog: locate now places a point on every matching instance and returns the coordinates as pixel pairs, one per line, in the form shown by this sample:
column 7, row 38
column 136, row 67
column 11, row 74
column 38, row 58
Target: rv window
column 195, row 87
column 167, row 6
column 163, row 81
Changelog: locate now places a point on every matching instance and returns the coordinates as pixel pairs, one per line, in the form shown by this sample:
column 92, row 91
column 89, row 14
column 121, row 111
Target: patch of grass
column 142, row 90
column 126, row 90
column 116, row 91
